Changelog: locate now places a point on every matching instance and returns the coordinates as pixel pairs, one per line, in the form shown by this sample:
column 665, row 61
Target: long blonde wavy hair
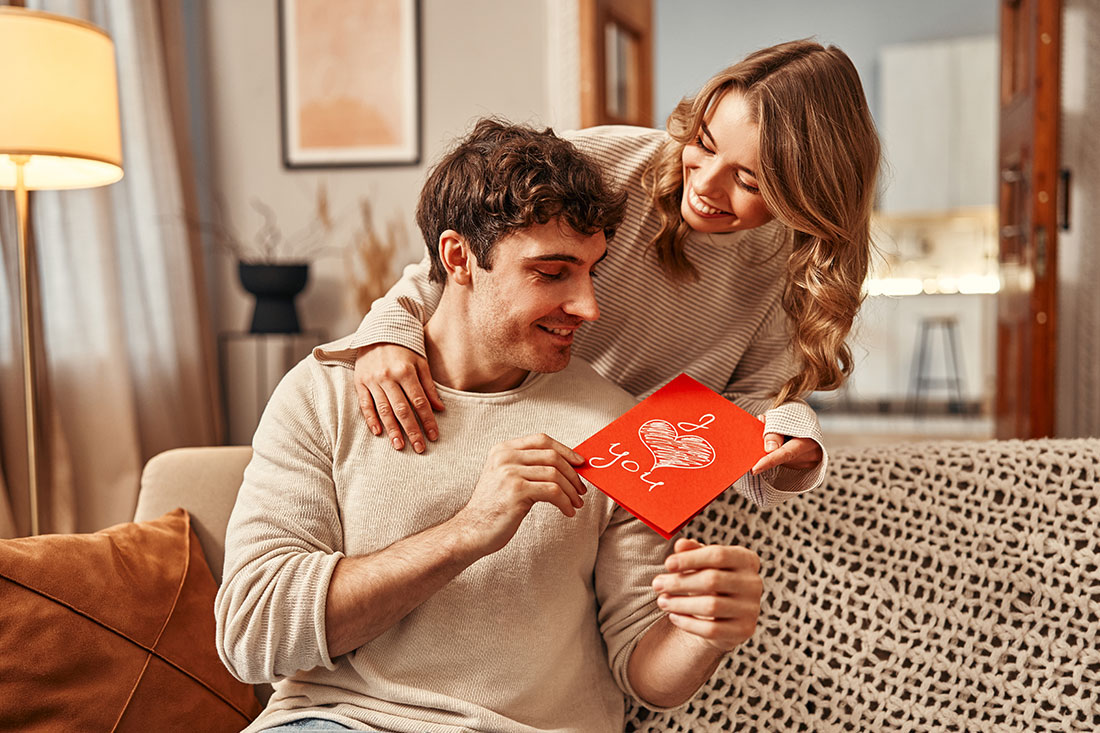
column 819, row 158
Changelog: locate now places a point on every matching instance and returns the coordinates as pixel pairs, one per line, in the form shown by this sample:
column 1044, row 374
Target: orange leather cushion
column 114, row 631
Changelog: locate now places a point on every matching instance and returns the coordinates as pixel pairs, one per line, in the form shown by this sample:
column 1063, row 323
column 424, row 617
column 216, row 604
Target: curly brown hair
column 503, row 178
column 819, row 158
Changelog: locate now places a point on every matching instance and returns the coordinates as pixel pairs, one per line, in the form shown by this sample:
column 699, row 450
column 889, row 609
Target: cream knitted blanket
column 926, row 587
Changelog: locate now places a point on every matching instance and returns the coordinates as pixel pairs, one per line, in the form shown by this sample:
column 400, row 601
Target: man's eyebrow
column 562, row 257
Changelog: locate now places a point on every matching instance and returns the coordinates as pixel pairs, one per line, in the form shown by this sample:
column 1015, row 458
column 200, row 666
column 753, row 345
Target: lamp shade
column 58, row 102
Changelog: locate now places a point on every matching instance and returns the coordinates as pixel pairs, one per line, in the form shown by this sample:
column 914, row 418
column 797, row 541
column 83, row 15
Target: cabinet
column 938, row 124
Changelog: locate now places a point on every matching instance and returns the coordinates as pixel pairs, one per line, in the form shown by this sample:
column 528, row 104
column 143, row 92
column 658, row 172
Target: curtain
column 127, row 340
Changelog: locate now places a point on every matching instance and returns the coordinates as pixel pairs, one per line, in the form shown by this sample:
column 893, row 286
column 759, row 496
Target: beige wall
column 478, row 57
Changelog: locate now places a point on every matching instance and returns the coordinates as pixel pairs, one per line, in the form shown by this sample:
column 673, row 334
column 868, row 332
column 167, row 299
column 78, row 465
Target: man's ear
column 457, row 258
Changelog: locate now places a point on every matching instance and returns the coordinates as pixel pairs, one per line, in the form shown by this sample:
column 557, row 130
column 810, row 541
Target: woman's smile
column 703, row 208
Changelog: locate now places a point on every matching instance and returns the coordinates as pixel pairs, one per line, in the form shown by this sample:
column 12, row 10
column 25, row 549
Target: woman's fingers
column 798, row 453
column 366, row 407
column 397, row 395
column 415, row 396
column 429, row 388
column 402, row 417
column 390, row 424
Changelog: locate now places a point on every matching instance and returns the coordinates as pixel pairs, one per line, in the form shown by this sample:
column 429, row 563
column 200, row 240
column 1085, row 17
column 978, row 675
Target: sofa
column 941, row 586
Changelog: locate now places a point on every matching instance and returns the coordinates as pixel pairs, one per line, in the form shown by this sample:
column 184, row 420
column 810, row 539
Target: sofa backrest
column 949, row 586
column 204, row 481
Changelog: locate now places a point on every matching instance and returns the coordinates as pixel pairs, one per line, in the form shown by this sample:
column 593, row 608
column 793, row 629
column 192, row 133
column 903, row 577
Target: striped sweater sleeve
column 765, row 365
column 399, row 316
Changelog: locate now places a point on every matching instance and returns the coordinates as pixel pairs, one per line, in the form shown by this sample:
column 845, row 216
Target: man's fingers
column 725, row 557
column 551, row 457
column 683, row 544
column 708, row 606
column 724, row 635
column 742, row 584
column 543, row 474
column 554, row 493
column 543, row 441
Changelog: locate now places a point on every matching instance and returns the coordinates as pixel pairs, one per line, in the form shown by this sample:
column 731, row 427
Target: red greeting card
column 671, row 454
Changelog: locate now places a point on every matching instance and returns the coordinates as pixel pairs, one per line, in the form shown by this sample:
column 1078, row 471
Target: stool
column 919, row 368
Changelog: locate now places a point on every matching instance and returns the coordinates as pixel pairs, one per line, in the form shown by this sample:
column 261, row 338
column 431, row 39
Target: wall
column 1078, row 384
column 478, row 57
column 695, row 40
column 469, row 69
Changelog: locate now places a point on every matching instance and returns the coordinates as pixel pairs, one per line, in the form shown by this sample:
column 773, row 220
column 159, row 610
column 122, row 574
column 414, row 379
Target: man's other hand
column 711, row 592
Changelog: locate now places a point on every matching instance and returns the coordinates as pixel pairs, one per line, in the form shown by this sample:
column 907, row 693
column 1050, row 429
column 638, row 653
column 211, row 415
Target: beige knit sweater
column 728, row 329
column 534, row 637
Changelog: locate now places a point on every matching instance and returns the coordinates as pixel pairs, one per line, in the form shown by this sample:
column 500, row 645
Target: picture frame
column 350, row 83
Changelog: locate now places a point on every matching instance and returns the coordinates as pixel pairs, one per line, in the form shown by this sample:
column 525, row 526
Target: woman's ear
column 456, row 256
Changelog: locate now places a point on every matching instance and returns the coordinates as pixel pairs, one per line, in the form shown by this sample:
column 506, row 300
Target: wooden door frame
column 1031, row 33
column 635, row 16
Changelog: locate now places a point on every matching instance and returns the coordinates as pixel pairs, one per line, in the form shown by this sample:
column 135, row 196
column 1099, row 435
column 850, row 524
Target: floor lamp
column 59, row 129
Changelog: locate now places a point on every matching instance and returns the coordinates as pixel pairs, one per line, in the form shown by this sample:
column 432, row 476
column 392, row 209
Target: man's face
column 525, row 312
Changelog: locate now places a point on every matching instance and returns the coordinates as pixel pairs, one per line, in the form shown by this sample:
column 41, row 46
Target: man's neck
column 455, row 356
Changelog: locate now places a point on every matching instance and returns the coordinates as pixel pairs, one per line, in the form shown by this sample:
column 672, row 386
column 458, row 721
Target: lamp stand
column 26, row 257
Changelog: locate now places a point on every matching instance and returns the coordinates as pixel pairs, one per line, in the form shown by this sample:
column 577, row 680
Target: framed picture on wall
column 350, row 82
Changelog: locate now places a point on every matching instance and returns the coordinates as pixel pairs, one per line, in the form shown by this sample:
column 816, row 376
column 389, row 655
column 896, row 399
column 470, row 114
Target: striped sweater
column 727, row 329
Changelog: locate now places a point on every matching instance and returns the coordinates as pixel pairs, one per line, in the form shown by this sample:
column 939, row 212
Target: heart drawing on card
column 672, row 450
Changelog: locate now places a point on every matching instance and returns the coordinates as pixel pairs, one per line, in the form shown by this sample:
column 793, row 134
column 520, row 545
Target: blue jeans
column 314, row 724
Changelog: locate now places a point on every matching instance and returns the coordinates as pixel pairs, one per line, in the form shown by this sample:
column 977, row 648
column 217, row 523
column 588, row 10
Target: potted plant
column 272, row 267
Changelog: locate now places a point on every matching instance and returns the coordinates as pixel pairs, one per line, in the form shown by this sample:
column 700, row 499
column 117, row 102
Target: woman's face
column 721, row 193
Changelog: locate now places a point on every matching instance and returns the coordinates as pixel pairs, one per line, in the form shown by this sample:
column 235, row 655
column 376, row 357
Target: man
column 479, row 587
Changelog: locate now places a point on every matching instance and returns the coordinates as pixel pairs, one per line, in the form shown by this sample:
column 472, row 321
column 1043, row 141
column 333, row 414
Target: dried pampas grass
column 372, row 255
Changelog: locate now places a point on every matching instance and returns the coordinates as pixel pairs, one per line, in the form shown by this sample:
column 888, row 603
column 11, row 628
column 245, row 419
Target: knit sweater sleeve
column 630, row 556
column 766, row 364
column 282, row 543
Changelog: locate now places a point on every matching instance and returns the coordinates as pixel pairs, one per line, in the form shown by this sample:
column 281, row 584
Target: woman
column 740, row 261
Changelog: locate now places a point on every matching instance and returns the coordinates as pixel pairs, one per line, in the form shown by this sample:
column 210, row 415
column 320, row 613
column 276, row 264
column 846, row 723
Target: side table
column 251, row 366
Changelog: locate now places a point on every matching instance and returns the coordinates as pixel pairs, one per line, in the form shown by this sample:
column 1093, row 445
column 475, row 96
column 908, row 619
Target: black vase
column 275, row 287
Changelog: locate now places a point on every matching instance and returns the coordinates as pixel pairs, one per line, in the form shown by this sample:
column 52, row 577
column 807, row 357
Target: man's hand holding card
column 664, row 460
